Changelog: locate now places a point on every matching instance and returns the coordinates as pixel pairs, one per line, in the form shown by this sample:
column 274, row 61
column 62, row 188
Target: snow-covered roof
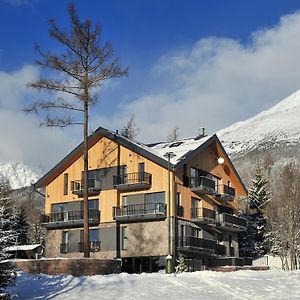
column 22, row 247
column 181, row 148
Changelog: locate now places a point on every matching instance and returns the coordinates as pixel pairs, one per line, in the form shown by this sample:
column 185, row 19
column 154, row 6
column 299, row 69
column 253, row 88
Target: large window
column 155, row 198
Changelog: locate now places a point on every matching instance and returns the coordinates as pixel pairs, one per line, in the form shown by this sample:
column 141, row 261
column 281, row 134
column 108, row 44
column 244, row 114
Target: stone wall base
column 72, row 266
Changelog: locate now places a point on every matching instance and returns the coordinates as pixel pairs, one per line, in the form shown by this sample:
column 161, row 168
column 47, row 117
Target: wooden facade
column 146, row 235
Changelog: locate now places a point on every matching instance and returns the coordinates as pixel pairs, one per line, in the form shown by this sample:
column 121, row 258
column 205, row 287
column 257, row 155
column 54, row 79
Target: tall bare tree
column 82, row 66
column 283, row 213
column 174, row 135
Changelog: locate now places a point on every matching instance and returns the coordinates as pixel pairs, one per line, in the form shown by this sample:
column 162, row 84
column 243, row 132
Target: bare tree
column 174, row 135
column 82, row 67
column 283, row 213
column 130, row 130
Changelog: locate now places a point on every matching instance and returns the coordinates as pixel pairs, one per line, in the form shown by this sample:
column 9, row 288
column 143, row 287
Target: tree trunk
column 86, row 243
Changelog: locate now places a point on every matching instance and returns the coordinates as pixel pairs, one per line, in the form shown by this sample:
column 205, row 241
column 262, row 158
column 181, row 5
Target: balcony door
column 141, row 172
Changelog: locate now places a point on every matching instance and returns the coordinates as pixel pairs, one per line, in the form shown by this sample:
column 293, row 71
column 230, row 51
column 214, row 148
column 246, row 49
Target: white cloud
column 217, row 82
column 22, row 139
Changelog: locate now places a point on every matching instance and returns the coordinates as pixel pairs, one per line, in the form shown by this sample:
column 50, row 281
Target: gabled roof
column 184, row 150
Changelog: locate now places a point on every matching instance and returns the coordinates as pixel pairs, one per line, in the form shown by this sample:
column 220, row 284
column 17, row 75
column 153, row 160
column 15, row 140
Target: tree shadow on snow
column 41, row 286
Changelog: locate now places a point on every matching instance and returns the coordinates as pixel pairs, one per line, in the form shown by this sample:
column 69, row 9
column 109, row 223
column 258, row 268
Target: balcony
column 140, row 212
column 232, row 223
column 197, row 245
column 94, row 187
column 94, row 246
column 69, row 219
column 203, row 185
column 225, row 193
column 132, row 181
column 203, row 215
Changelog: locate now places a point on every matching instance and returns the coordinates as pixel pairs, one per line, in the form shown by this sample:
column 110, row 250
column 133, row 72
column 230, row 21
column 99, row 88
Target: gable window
column 66, row 183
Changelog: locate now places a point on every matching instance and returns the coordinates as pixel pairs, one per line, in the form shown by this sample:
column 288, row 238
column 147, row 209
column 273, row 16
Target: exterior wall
column 106, row 153
column 144, row 238
column 147, row 239
column 207, row 161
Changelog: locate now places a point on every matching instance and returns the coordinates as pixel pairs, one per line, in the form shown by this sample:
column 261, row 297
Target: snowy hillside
column 18, row 174
column 277, row 126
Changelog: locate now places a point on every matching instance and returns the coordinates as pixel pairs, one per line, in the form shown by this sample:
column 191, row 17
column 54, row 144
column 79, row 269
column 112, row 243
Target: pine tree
column 7, row 236
column 255, row 236
column 21, row 225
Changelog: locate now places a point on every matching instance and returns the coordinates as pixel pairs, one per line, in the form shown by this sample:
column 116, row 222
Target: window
column 125, row 202
column 141, row 172
column 155, row 197
column 124, row 237
column 66, row 186
column 195, row 232
column 65, row 237
column 93, row 204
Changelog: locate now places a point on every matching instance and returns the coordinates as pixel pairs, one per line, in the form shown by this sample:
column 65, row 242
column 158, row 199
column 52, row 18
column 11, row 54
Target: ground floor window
column 124, row 237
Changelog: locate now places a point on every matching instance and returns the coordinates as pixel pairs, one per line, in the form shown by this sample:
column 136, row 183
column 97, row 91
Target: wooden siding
column 106, row 153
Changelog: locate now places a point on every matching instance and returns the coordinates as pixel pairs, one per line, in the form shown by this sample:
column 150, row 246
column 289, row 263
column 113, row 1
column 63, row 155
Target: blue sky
column 191, row 64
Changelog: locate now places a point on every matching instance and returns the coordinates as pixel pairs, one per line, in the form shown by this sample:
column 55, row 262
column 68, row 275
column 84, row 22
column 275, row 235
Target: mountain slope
column 18, row 174
column 273, row 128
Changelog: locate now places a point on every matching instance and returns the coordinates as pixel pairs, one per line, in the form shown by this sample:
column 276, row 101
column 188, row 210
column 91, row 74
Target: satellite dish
column 221, row 160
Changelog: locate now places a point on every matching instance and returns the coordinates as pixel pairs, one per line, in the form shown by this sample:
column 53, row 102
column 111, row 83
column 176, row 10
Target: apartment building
column 130, row 185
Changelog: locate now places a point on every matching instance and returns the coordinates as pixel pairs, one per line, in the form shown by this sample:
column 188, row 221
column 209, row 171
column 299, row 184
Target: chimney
column 201, row 133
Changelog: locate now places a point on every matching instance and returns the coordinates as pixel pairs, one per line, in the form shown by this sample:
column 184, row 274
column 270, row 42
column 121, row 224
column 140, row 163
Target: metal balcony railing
column 94, row 186
column 203, row 185
column 233, row 220
column 203, row 213
column 69, row 216
column 226, row 192
column 195, row 242
column 139, row 209
column 132, row 178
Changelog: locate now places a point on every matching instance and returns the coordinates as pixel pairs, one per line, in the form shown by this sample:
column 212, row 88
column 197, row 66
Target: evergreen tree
column 254, row 241
column 21, row 225
column 7, row 235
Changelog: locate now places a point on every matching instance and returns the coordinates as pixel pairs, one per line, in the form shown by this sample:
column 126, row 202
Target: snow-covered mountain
column 18, row 174
column 276, row 127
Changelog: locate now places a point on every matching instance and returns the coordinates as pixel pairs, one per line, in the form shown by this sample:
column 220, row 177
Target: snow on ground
column 273, row 284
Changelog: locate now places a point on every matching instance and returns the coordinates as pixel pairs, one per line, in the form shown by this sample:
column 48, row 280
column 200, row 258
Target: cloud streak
column 217, row 82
